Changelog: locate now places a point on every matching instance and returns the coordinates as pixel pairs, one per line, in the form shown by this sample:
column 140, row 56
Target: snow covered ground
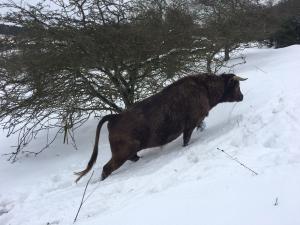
column 174, row 185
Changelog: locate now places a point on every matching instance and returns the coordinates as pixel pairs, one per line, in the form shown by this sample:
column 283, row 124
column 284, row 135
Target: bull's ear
column 235, row 77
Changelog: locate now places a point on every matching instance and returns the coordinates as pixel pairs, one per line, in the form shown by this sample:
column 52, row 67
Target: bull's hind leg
column 113, row 164
column 121, row 152
column 107, row 169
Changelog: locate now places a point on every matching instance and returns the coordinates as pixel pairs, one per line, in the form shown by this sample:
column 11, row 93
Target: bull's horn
column 239, row 78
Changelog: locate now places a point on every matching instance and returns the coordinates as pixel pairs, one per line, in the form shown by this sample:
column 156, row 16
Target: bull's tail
column 95, row 151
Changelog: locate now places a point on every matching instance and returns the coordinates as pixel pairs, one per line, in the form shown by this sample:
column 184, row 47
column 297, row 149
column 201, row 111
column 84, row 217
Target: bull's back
column 160, row 118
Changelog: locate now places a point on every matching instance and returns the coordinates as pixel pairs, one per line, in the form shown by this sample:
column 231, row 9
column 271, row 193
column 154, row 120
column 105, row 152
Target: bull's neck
column 215, row 90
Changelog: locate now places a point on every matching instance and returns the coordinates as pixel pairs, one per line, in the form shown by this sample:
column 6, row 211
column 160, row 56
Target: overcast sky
column 24, row 2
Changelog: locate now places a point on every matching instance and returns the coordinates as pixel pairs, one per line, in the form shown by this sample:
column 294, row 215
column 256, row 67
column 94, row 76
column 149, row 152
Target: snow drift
column 174, row 185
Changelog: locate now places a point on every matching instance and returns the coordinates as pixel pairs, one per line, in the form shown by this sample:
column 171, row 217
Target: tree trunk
column 226, row 52
column 208, row 65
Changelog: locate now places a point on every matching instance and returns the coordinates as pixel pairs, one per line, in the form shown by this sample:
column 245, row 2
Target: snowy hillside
column 174, row 185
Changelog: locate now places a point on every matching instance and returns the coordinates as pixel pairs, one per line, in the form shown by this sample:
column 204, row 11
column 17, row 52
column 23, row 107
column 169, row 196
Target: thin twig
column 260, row 69
column 46, row 146
column 82, row 199
column 235, row 159
column 72, row 135
column 92, row 192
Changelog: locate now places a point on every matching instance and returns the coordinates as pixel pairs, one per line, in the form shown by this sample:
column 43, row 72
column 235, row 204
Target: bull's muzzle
column 241, row 97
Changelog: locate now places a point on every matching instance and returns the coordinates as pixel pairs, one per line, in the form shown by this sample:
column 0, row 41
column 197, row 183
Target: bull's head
column 232, row 91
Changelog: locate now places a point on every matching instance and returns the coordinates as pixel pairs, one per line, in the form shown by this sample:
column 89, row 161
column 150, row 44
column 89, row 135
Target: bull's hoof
column 103, row 176
column 134, row 158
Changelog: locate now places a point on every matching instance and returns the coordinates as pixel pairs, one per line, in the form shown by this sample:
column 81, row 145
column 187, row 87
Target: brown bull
column 161, row 118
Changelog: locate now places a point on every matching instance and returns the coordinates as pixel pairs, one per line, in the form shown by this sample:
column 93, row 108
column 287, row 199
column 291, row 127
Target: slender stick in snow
column 276, row 202
column 235, row 159
column 82, row 199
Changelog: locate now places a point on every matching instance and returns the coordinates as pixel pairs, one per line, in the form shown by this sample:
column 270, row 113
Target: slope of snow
column 174, row 185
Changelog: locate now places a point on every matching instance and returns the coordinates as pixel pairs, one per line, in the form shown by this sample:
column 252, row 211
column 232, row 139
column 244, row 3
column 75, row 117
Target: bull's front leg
column 201, row 126
column 187, row 133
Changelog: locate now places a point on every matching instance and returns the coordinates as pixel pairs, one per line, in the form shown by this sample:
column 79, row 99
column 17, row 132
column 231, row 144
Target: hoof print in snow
column 56, row 178
column 53, row 222
column 193, row 158
column 3, row 211
column 153, row 190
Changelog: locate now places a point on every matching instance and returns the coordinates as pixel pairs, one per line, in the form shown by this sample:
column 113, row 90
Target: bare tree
column 285, row 18
column 228, row 24
column 88, row 56
column 79, row 58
